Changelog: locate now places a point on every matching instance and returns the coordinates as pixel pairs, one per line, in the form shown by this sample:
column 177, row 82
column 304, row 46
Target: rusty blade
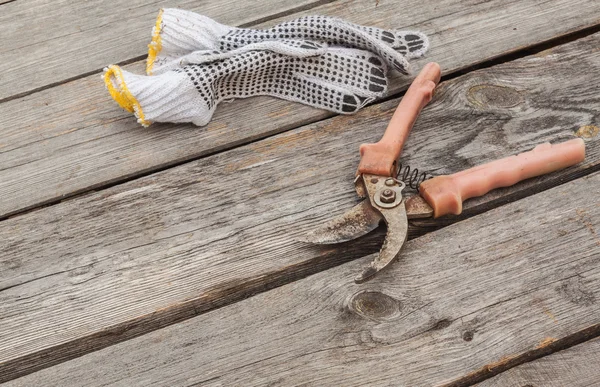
column 397, row 232
column 356, row 222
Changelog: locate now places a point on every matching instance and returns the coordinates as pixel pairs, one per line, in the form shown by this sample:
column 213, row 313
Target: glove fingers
column 289, row 47
column 412, row 44
column 355, row 37
column 292, row 48
column 312, row 91
column 360, row 72
column 322, row 28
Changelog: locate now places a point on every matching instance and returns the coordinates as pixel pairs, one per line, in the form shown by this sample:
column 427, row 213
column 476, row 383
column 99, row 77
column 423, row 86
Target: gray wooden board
column 73, row 137
column 107, row 266
column 578, row 366
column 471, row 296
column 47, row 42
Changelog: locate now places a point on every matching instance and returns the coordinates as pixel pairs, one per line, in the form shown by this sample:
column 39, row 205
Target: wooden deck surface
column 167, row 255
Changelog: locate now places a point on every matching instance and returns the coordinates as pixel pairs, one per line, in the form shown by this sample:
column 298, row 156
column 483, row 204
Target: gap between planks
column 577, row 366
column 548, row 348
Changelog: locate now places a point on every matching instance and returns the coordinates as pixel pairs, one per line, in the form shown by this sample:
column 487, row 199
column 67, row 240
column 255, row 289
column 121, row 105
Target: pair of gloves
column 194, row 63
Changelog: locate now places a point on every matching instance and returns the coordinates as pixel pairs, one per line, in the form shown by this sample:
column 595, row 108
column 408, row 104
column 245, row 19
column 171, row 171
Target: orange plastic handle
column 445, row 194
column 380, row 158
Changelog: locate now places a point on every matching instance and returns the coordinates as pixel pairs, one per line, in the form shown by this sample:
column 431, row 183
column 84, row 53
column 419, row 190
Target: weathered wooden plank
column 49, row 42
column 72, row 138
column 578, row 366
column 475, row 295
column 110, row 265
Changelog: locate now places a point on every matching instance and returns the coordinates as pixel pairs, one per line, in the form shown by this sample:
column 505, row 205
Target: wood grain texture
column 470, row 296
column 47, row 42
column 578, row 366
column 108, row 266
column 72, row 138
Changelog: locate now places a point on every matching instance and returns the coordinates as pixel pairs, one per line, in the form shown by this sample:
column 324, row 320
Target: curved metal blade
column 358, row 221
column 397, row 232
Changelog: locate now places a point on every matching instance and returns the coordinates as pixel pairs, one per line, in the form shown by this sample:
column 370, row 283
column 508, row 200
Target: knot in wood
column 494, row 96
column 375, row 305
column 468, row 336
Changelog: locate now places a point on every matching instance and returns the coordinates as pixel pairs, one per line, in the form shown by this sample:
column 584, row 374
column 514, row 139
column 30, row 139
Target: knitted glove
column 341, row 80
column 178, row 32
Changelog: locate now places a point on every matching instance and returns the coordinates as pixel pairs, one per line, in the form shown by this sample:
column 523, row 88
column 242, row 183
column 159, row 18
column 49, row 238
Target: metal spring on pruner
column 412, row 177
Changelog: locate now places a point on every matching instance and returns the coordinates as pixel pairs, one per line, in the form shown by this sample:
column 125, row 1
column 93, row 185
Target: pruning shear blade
column 358, row 221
